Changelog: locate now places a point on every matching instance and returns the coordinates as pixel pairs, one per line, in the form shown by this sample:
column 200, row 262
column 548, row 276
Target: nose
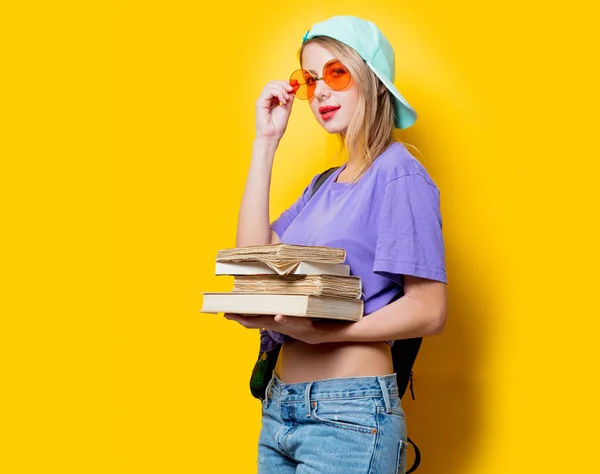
column 322, row 90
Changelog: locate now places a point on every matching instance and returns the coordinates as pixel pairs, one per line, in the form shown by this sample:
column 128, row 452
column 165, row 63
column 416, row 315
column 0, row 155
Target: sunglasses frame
column 316, row 78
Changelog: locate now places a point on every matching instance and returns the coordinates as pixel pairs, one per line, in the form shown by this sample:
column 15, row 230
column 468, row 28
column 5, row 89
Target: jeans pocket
column 402, row 457
column 349, row 414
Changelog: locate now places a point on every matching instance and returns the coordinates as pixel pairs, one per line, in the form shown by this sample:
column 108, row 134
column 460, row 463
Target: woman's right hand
column 272, row 118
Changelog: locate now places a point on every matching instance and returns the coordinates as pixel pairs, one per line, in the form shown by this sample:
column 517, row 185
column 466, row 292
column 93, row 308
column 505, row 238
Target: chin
column 333, row 131
column 332, row 127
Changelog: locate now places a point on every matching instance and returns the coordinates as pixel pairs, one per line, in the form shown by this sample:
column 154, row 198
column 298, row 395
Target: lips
column 328, row 108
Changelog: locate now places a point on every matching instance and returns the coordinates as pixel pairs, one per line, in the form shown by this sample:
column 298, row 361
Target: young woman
column 332, row 406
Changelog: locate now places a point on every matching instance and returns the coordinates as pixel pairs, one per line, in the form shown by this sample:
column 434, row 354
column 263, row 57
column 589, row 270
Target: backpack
column 404, row 353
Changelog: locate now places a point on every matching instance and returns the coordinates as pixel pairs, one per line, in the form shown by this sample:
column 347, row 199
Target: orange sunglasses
column 335, row 75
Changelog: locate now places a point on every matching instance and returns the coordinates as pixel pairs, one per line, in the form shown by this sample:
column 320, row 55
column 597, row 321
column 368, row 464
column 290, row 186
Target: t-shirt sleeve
column 280, row 224
column 410, row 240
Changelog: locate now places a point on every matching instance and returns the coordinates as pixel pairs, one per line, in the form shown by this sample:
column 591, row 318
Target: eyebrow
column 316, row 74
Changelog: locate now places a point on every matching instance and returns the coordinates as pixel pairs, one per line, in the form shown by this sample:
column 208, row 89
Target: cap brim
column 405, row 114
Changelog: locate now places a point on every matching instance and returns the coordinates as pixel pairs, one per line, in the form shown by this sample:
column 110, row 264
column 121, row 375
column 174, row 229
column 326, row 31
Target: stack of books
column 294, row 280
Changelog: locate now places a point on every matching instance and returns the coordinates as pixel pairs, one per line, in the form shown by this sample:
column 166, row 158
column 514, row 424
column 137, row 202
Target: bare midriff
column 302, row 362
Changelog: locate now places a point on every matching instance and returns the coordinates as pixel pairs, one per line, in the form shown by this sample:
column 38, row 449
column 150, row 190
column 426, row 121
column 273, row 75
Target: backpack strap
column 404, row 354
column 417, row 460
column 321, row 179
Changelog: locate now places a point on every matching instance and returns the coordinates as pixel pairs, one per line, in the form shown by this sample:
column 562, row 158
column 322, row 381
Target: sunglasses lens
column 336, row 75
column 303, row 84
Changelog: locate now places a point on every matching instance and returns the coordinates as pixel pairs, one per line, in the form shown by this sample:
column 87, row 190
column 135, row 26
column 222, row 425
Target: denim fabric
column 349, row 425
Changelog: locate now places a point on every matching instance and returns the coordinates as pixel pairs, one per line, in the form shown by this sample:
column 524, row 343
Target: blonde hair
column 371, row 129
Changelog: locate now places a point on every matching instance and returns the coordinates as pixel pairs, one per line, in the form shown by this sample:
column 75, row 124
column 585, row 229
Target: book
column 302, row 268
column 318, row 307
column 282, row 257
column 319, row 285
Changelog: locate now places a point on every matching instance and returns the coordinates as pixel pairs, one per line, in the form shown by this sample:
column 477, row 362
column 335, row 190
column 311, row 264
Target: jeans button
column 284, row 392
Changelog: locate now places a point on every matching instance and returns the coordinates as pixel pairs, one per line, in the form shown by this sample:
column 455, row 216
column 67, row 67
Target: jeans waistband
column 343, row 387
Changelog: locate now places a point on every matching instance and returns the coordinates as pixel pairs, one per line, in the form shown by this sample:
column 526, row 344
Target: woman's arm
column 274, row 237
column 253, row 220
column 273, row 109
column 420, row 312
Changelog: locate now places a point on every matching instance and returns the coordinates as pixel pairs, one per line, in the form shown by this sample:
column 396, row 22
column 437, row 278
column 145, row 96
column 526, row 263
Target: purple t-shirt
column 389, row 223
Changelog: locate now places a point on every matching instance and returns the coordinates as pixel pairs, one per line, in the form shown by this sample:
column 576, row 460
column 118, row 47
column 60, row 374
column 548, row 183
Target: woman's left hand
column 301, row 328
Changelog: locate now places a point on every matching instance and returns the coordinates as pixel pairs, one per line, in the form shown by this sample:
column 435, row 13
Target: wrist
column 267, row 142
column 342, row 332
column 264, row 149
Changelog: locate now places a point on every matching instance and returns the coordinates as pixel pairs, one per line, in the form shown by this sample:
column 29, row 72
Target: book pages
column 281, row 257
column 320, row 285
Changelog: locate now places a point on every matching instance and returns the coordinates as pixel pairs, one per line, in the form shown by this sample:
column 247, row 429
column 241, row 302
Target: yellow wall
column 125, row 146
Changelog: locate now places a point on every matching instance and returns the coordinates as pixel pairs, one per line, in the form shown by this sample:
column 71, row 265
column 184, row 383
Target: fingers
column 251, row 322
column 294, row 85
column 275, row 90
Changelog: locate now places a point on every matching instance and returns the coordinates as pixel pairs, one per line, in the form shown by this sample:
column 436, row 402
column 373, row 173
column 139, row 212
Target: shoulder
column 397, row 162
column 308, row 190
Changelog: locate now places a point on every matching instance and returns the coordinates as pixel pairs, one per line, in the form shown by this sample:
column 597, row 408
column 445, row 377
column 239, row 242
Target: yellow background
column 126, row 138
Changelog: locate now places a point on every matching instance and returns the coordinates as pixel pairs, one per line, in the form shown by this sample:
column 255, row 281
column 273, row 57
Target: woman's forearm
column 402, row 319
column 254, row 227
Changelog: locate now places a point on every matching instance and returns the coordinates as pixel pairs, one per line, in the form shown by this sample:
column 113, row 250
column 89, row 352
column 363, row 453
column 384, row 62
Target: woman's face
column 341, row 104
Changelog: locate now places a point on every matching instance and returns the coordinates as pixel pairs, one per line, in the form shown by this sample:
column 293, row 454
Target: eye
column 338, row 72
column 335, row 69
column 310, row 81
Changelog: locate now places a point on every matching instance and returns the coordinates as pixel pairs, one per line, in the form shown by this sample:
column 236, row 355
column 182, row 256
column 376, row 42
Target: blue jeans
column 349, row 425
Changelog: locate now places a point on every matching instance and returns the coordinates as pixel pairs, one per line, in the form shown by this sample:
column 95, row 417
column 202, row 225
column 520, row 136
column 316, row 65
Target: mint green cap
column 367, row 40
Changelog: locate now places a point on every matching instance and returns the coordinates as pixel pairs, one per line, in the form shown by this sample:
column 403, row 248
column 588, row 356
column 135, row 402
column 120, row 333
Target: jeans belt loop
column 386, row 395
column 307, row 398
